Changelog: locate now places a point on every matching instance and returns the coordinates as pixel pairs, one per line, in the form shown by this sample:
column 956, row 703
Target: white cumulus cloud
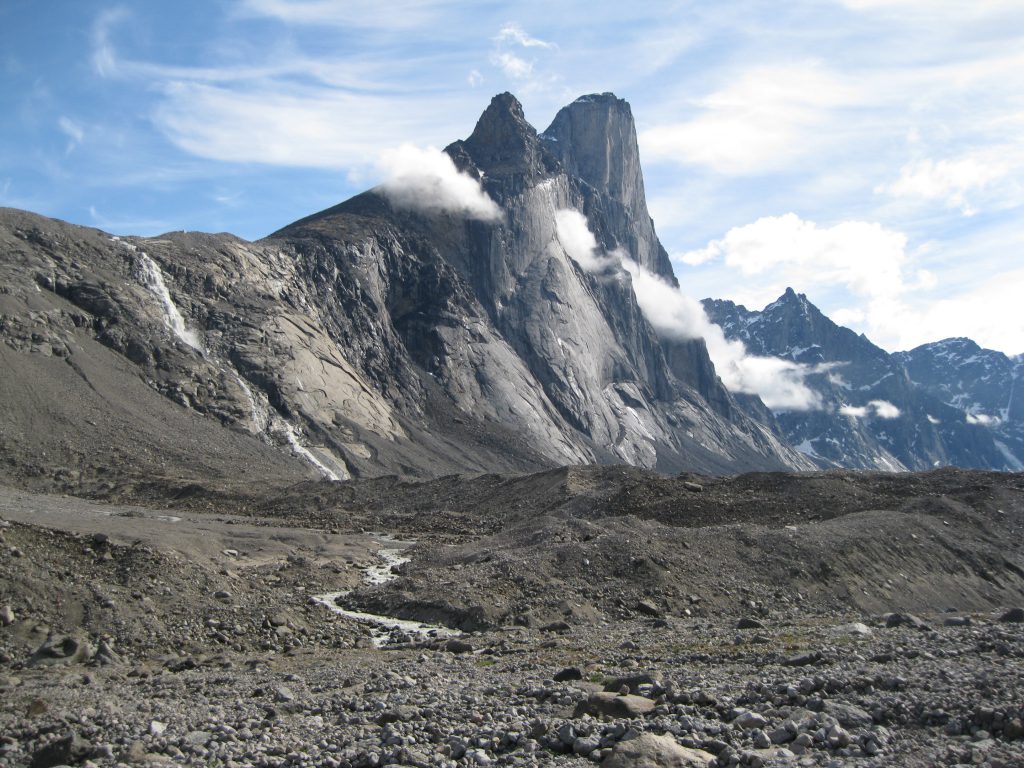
column 427, row 180
column 787, row 250
column 779, row 383
column 578, row 241
column 949, row 181
column 865, row 277
column 983, row 419
column 884, row 409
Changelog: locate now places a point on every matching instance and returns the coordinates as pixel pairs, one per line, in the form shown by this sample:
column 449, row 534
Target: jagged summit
column 952, row 344
column 503, row 142
column 791, row 302
column 883, row 411
column 595, row 138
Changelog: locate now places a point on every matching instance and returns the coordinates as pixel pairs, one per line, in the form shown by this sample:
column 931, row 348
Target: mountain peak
column 793, row 301
column 607, row 98
column 504, row 108
column 595, row 138
column 502, row 142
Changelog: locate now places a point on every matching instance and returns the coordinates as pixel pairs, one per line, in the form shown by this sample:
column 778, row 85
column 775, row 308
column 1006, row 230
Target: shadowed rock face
column 370, row 339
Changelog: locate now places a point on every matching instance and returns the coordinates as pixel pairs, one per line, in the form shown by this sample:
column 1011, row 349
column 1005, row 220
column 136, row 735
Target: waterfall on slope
column 152, row 279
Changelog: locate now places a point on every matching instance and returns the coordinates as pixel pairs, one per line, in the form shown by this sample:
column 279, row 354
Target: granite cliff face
column 374, row 338
column 557, row 354
column 876, row 413
column 594, row 138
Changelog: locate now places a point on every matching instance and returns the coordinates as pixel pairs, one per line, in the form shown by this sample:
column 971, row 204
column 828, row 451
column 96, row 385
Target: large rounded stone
column 651, row 751
column 615, row 705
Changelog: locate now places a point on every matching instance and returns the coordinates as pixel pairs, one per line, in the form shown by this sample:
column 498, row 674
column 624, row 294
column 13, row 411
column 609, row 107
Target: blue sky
column 869, row 153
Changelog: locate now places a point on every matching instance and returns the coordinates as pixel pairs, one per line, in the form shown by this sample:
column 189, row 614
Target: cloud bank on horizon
column 870, row 153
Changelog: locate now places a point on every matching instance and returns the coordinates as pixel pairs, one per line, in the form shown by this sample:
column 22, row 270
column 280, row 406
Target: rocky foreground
column 149, row 635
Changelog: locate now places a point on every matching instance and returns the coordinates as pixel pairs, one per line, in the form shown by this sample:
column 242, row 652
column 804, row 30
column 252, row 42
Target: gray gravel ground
column 124, row 640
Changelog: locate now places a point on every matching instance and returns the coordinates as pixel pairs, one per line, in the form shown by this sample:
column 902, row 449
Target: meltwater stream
column 383, row 627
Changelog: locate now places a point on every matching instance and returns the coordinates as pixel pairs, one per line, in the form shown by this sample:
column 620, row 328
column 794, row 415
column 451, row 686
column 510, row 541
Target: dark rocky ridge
column 931, row 430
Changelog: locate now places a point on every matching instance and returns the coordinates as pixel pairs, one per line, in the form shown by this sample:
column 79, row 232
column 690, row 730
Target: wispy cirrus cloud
column 513, row 33
column 762, row 120
column 933, row 8
column 104, row 58
column 396, row 14
column 301, row 127
column 289, row 110
column 73, row 131
column 515, row 54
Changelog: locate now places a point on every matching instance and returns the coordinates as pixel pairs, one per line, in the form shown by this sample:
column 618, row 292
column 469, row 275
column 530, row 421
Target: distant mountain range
column 945, row 403
column 494, row 316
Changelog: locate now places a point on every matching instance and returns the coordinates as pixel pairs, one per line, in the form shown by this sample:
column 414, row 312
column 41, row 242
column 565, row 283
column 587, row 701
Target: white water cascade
column 152, row 279
column 269, row 422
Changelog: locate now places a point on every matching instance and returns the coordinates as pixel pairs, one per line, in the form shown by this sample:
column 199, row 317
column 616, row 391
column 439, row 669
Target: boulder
column 1013, row 616
column 62, row 649
column 651, row 751
column 67, row 750
column 615, row 705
